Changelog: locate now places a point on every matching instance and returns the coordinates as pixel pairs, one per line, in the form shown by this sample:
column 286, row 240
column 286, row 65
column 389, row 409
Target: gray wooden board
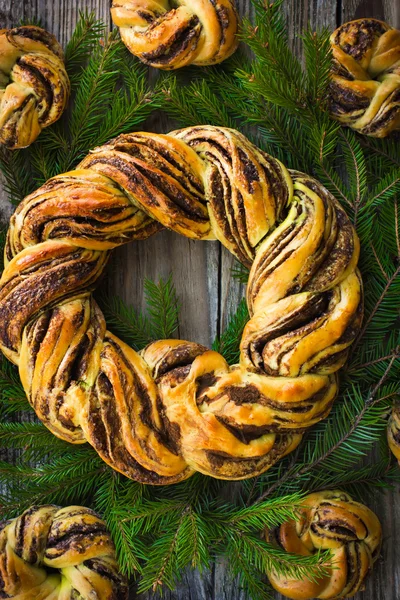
column 201, row 271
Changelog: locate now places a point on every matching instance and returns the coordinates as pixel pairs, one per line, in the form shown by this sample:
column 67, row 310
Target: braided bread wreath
column 365, row 77
column 176, row 407
column 72, row 543
column 34, row 85
column 329, row 520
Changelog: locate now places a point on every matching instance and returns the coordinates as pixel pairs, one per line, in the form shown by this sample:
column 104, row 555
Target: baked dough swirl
column 53, row 553
column 34, row 85
column 198, row 32
column 176, row 407
column 365, row 77
column 330, row 520
column 393, row 431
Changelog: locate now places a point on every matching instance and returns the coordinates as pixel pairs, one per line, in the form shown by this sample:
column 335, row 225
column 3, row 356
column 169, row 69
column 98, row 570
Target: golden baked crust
column 177, row 407
column 393, row 431
column 330, row 520
column 198, row 32
column 365, row 77
column 34, row 85
column 72, row 542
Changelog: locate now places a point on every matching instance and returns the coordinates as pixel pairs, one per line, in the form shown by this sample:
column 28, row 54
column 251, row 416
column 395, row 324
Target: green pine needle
column 87, row 35
column 133, row 327
column 163, row 307
column 12, row 395
column 229, row 341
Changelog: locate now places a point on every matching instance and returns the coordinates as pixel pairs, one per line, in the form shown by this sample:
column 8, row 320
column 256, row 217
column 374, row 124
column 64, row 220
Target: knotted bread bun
column 329, row 520
column 365, row 77
column 178, row 407
column 53, row 553
column 34, row 85
column 198, row 32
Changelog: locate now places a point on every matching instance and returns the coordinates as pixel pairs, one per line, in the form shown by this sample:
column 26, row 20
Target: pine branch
column 363, row 480
column 265, row 557
column 12, row 395
column 263, row 515
column 139, row 329
column 17, row 174
column 133, row 327
column 356, row 168
column 195, row 103
column 35, row 21
column 318, row 61
column 247, row 577
column 277, row 73
column 92, row 97
column 131, row 105
column 87, row 35
column 111, row 493
column 229, row 341
column 66, row 479
column 163, row 307
column 240, row 273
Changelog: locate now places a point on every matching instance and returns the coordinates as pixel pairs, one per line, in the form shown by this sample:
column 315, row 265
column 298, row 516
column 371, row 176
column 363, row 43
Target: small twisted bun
column 332, row 521
column 34, row 85
column 393, row 432
column 176, row 407
column 365, row 77
column 198, row 32
column 72, row 543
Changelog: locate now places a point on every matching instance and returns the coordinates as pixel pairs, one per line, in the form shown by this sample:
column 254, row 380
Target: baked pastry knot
column 365, row 77
column 34, row 85
column 198, row 32
column 53, row 553
column 332, row 521
column 176, row 407
column 393, row 432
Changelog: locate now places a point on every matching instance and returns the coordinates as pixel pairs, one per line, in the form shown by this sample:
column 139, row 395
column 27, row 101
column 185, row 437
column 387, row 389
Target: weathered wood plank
column 385, row 10
column 202, row 270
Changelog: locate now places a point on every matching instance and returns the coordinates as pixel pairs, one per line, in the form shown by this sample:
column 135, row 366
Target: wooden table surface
column 201, row 270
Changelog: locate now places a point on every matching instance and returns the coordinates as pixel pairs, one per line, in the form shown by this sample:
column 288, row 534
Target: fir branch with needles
column 12, row 395
column 159, row 321
column 163, row 307
column 228, row 342
column 86, row 36
column 133, row 327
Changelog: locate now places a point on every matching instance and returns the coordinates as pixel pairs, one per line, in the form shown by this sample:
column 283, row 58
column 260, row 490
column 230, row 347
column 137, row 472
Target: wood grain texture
column 201, row 271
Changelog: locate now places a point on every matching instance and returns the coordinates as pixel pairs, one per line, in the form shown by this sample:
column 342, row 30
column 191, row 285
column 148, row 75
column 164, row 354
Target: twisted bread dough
column 34, row 85
column 330, row 520
column 177, row 407
column 365, row 78
column 198, row 32
column 73, row 542
column 393, row 432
